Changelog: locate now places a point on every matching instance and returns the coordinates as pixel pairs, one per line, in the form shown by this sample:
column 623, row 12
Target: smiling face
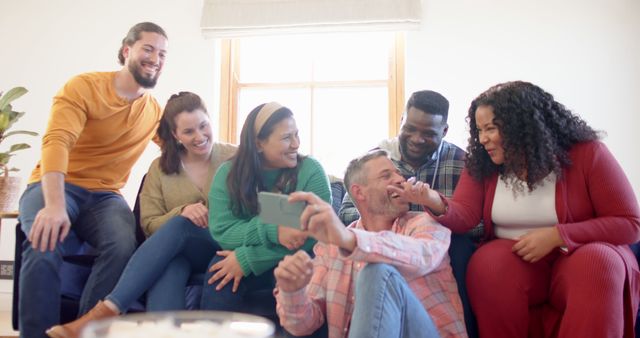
column 489, row 134
column 193, row 131
column 145, row 58
column 280, row 148
column 420, row 136
column 380, row 173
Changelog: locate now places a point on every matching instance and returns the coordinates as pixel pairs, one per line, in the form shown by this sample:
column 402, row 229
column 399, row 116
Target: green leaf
column 4, row 121
column 19, row 146
column 4, row 158
column 26, row 132
column 7, row 109
column 13, row 117
column 11, row 95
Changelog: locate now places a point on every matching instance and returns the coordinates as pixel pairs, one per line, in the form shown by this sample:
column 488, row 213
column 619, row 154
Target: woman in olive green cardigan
column 267, row 160
column 174, row 214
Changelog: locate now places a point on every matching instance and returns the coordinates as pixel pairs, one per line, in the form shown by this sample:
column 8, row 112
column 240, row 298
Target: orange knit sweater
column 94, row 137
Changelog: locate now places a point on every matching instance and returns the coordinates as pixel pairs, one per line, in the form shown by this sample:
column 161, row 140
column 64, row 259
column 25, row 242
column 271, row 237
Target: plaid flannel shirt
column 416, row 245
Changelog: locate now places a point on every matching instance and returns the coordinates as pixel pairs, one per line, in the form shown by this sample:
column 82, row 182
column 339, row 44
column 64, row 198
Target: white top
column 516, row 213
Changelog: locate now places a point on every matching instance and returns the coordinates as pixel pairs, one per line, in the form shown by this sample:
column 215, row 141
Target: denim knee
column 177, row 224
column 31, row 202
column 34, row 258
column 374, row 276
column 376, row 271
column 179, row 228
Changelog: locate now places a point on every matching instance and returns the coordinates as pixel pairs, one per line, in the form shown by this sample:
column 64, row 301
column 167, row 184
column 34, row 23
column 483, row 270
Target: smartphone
column 276, row 209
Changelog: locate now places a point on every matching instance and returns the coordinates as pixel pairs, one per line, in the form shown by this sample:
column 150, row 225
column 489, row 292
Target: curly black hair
column 537, row 133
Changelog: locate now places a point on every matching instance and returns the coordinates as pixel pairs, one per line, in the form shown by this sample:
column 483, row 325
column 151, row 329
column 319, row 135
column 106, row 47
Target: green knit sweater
column 255, row 243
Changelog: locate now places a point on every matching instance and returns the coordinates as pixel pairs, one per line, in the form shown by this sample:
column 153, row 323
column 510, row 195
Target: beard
column 383, row 205
column 143, row 81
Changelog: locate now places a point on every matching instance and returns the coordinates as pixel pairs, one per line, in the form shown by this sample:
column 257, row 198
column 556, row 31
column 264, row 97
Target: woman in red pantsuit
column 559, row 214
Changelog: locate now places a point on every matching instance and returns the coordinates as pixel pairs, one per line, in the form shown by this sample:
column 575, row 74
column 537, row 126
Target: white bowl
column 191, row 324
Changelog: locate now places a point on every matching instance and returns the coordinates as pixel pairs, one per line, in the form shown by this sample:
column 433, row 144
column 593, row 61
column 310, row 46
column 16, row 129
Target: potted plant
column 9, row 186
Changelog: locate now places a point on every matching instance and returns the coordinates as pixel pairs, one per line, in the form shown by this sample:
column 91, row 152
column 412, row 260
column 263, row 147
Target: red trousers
column 576, row 295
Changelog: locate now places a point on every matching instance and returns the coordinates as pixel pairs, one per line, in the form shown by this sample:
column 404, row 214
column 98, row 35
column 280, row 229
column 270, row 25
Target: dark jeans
column 163, row 264
column 460, row 252
column 105, row 221
column 227, row 300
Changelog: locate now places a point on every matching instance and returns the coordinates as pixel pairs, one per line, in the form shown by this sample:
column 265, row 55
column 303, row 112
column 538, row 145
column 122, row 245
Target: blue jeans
column 162, row 266
column 105, row 221
column 240, row 301
column 386, row 307
column 460, row 252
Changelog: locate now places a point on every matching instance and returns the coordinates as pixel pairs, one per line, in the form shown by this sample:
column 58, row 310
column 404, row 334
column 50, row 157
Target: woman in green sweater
column 267, row 160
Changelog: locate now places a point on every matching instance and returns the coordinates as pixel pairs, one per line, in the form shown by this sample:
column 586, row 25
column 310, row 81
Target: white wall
column 44, row 43
column 47, row 42
column 585, row 52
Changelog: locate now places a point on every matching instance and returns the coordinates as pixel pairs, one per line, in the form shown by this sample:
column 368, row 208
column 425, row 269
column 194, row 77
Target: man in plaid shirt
column 419, row 151
column 386, row 275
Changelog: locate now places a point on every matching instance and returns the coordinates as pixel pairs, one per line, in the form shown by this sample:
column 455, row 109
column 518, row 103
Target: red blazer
column 594, row 203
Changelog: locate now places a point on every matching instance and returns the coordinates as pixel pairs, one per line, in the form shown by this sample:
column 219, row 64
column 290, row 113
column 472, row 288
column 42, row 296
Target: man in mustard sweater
column 99, row 126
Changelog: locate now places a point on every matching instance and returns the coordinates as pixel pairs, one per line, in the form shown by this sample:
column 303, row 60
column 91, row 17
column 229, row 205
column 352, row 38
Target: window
column 345, row 90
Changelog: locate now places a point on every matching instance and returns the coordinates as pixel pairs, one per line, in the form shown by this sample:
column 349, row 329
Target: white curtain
column 237, row 18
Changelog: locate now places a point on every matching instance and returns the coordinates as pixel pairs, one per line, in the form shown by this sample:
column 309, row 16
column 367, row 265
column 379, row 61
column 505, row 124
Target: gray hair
column 355, row 173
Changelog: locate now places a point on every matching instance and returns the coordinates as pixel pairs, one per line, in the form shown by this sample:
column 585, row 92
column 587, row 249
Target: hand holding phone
column 276, row 209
